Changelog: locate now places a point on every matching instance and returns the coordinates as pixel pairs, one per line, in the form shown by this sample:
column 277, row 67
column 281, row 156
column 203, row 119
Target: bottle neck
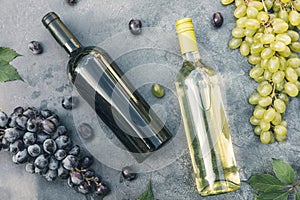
column 61, row 33
column 192, row 56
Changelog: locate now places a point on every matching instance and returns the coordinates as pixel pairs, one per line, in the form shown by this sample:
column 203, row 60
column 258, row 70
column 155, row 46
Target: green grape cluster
column 267, row 33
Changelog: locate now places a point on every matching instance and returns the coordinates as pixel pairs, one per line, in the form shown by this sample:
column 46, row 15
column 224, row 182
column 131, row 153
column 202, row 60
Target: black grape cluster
column 38, row 139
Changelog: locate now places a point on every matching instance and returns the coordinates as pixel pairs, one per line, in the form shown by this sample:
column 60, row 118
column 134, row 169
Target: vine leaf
column 7, row 71
column 148, row 194
column 283, row 171
column 266, row 183
column 274, row 196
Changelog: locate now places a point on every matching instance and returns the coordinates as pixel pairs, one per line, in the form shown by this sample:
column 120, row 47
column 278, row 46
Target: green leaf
column 283, row 171
column 7, row 54
column 8, row 72
column 265, row 183
column 297, row 196
column 273, row 196
column 147, row 195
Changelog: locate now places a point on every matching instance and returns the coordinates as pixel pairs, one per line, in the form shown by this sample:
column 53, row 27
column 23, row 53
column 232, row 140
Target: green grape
column 251, row 12
column 256, row 4
column 298, row 70
column 283, row 63
column 264, row 125
column 254, row 121
column 262, row 17
column 240, row 11
column 281, row 27
column 285, row 1
column 280, row 138
column 293, row 62
column 264, row 63
column 244, row 49
column 235, row 43
column 248, row 39
column 291, row 75
column 279, row 105
column 296, row 5
column 278, row 76
column 269, row 4
column 265, row 137
column 284, row 123
column 276, row 6
column 264, row 89
column 272, row 139
column 284, row 38
column 280, row 130
column 239, row 3
column 267, row 53
column 294, row 18
column 254, row 98
column 267, row 38
column 256, row 48
column 267, row 75
column 238, row 32
column 227, row 2
column 259, row 112
column 291, row 89
column 253, row 59
column 277, row 119
column 286, row 52
column 273, row 64
column 265, row 101
column 257, row 36
column 280, row 86
column 257, row 130
column 295, row 46
column 294, row 35
column 284, row 15
column 293, row 55
column 252, row 24
column 297, row 83
column 277, row 46
column 256, row 72
column 269, row 115
column 241, row 22
column 284, row 98
column 249, row 33
column 260, row 79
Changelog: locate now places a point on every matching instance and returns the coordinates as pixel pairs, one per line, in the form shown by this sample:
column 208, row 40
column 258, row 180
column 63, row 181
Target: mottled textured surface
column 147, row 58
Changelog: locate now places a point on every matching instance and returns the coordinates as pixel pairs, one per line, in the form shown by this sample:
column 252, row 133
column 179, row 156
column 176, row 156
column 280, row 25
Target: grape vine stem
column 265, row 7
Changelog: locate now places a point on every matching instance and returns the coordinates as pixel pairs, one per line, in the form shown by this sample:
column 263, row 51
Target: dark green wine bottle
column 102, row 84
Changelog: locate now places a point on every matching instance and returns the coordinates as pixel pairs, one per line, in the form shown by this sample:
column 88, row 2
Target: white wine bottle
column 103, row 85
column 204, row 119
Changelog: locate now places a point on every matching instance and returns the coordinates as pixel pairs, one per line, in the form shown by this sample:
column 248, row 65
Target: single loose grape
column 265, row 101
column 265, row 137
column 157, row 90
column 291, row 89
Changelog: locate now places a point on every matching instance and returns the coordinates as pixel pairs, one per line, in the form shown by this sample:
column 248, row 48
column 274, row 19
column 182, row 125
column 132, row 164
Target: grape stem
column 265, row 7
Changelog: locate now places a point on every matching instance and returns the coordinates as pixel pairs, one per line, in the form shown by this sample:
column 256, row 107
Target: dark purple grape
column 53, row 163
column 89, row 173
column 18, row 111
column 3, row 119
column 41, row 137
column 29, row 138
column 70, row 183
column 84, row 188
column 60, row 154
column 48, row 126
column 55, row 119
column 85, row 131
column 97, row 179
column 71, row 2
column 41, row 162
column 12, row 121
column 128, row 173
column 76, row 177
column 50, row 175
column 61, row 130
column 102, row 189
column 34, row 150
column 35, row 47
column 5, row 144
column 63, row 142
column 16, row 146
column 40, row 171
column 21, row 122
column 49, row 146
column 75, row 151
column 32, row 125
column 69, row 102
column 14, row 159
column 31, row 113
column 217, row 19
column 85, row 162
column 11, row 134
column 135, row 26
column 22, row 156
column 70, row 162
column 46, row 113
column 63, row 173
column 30, row 168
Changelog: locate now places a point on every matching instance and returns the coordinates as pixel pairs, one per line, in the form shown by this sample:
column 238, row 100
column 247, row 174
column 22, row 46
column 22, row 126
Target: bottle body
column 103, row 85
column 205, row 122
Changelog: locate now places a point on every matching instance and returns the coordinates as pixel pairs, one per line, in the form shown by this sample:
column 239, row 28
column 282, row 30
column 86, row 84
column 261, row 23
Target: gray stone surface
column 150, row 57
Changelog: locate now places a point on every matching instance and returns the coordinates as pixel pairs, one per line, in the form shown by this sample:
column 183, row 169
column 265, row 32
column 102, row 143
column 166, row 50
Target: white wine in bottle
column 204, row 119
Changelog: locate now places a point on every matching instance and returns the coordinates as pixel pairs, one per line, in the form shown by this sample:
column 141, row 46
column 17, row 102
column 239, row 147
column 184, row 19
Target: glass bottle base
column 219, row 188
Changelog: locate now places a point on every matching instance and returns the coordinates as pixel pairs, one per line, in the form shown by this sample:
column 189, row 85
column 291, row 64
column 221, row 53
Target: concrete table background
column 147, row 58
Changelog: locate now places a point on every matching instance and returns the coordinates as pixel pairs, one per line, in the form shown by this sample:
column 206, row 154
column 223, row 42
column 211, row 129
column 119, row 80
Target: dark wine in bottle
column 103, row 85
